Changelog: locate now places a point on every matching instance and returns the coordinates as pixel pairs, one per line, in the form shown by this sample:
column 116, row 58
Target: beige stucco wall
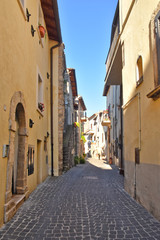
column 137, row 41
column 124, row 6
column 21, row 59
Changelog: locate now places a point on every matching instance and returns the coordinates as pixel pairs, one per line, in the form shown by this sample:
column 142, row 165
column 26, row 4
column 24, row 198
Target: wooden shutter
column 157, row 33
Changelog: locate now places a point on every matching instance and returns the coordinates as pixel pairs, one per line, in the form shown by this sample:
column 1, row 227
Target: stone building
column 32, row 100
column 70, row 144
column 133, row 62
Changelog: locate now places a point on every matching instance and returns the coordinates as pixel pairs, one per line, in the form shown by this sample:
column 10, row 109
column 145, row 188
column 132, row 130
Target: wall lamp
column 31, row 123
column 32, row 30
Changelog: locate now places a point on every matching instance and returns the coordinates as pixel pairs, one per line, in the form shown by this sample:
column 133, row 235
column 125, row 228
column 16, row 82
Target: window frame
column 30, row 159
column 40, row 95
column 157, row 39
column 40, row 21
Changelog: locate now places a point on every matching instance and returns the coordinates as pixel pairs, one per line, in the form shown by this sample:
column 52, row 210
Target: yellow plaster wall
column 124, row 7
column 21, row 57
column 136, row 38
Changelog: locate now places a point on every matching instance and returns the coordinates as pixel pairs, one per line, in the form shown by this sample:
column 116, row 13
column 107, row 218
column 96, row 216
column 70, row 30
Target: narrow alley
column 88, row 202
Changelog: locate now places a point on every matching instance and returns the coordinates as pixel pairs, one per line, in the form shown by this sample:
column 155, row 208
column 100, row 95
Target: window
column 139, row 71
column 41, row 23
column 155, row 44
column 105, row 136
column 22, row 4
column 30, row 156
column 40, row 94
column 157, row 33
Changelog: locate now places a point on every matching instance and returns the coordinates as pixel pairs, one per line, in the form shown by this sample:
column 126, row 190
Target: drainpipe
column 51, row 102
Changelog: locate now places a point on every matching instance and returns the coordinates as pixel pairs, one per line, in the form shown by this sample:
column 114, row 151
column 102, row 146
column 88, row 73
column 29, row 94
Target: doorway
column 16, row 183
column 14, row 168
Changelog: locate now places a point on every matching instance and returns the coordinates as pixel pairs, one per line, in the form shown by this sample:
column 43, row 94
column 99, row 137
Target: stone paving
column 88, row 202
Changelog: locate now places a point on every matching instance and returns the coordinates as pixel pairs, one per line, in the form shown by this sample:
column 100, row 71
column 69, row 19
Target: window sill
column 155, row 93
column 139, row 82
column 39, row 111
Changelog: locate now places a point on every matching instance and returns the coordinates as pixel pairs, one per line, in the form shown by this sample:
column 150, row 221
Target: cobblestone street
column 88, row 202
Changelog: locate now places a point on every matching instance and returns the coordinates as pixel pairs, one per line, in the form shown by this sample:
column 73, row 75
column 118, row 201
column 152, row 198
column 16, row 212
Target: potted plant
column 42, row 30
column 76, row 124
column 41, row 106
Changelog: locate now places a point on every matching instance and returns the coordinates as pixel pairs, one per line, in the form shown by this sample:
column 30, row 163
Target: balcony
column 114, row 58
column 83, row 116
column 83, row 119
column 106, row 122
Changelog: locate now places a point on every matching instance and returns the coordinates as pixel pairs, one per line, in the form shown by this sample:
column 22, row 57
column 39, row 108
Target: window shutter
column 157, row 33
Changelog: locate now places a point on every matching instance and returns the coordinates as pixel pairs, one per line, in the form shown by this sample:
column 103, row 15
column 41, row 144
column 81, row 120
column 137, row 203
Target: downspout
column 51, row 102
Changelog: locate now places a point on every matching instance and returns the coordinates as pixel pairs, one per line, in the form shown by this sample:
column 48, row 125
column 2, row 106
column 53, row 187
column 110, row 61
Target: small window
column 105, row 136
column 40, row 94
column 41, row 27
column 22, row 4
column 30, row 159
column 139, row 71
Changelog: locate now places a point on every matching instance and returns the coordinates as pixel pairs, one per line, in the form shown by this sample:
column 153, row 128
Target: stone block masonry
column 92, row 204
column 61, row 108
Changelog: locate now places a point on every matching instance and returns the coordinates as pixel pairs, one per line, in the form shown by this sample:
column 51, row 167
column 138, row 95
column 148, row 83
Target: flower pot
column 42, row 31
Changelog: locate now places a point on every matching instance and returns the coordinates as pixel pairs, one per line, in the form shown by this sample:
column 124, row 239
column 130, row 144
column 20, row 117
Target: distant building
column 114, row 127
column 70, row 132
column 95, row 134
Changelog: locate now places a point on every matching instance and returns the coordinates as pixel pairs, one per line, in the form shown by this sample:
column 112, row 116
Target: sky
column 86, row 30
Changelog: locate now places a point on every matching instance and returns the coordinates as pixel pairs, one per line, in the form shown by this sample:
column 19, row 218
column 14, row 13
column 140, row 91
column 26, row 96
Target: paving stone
column 86, row 202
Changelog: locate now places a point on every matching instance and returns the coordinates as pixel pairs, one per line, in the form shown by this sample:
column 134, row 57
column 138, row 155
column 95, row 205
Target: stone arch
column 17, row 115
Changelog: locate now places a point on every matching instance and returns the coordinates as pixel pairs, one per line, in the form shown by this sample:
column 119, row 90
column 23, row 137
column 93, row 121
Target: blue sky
column 86, row 30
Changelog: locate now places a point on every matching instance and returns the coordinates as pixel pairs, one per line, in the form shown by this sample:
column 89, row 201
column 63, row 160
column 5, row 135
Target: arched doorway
column 16, row 188
column 19, row 151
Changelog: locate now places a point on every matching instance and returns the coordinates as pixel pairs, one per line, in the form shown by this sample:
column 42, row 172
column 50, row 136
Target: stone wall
column 68, row 148
column 61, row 110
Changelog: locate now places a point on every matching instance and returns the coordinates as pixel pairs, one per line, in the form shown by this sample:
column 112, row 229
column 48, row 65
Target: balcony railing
column 106, row 122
